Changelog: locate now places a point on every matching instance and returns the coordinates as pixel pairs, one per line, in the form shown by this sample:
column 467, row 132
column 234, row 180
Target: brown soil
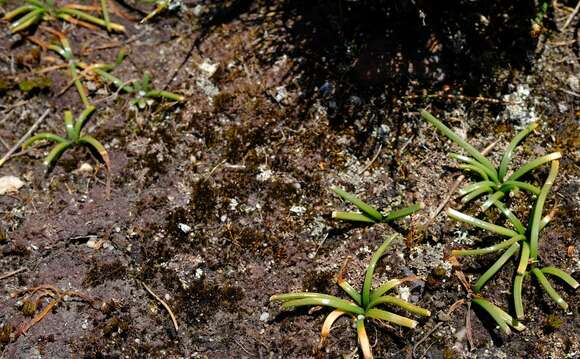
column 222, row 201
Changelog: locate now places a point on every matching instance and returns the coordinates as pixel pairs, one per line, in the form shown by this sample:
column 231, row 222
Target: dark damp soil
column 220, row 202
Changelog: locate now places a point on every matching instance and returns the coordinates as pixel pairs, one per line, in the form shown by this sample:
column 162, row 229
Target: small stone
column 298, row 210
column 208, row 68
column 10, row 184
column 184, row 228
column 85, row 168
column 94, row 243
column 264, row 316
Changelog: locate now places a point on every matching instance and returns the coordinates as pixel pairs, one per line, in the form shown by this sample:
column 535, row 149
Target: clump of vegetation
column 523, row 242
column 74, row 137
column 364, row 304
column 369, row 213
column 34, row 84
column 65, row 51
column 494, row 180
column 141, row 89
column 35, row 11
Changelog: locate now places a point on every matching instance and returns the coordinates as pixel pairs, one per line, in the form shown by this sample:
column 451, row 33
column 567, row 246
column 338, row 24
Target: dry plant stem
column 165, row 305
column 571, row 17
column 23, row 138
column 24, row 328
column 10, row 274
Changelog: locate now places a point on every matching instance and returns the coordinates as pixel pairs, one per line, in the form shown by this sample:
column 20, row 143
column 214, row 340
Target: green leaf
column 510, row 185
column 55, row 153
column 517, row 292
column 503, row 319
column 18, row 11
column 387, row 286
column 538, row 209
column 509, row 215
column 88, row 18
column 476, row 169
column 524, row 259
column 93, row 143
column 371, row 269
column 511, row 147
column 164, row 94
column 352, row 216
column 487, row 250
column 391, row 317
column 403, row 212
column 69, row 126
column 549, row 289
column 474, row 194
column 366, row 208
column 388, row 299
column 27, row 20
column 558, row 273
column 349, row 289
column 495, row 267
column 82, row 119
column 475, row 186
column 458, row 140
column 534, row 164
column 489, row 171
column 44, row 136
column 481, row 224
column 333, row 303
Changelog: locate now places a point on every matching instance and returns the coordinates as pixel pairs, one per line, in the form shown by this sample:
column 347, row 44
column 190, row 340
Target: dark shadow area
column 356, row 51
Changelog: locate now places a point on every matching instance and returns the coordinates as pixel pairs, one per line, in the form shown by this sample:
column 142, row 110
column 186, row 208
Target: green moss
column 28, row 308
column 5, row 333
column 439, row 272
column 36, row 84
column 553, row 322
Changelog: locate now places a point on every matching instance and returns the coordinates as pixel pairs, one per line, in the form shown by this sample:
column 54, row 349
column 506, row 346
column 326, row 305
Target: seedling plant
column 369, row 213
column 140, row 89
column 74, row 137
column 35, row 11
column 362, row 306
column 493, row 180
column 523, row 242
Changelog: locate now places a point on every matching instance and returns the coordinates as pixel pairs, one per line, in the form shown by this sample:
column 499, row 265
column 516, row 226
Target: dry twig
column 23, row 138
column 165, row 305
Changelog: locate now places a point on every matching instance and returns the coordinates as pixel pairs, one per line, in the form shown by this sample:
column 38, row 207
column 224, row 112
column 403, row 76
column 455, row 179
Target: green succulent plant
column 493, row 180
column 36, row 11
column 362, row 306
column 74, row 137
column 369, row 213
column 140, row 89
column 523, row 242
column 65, row 51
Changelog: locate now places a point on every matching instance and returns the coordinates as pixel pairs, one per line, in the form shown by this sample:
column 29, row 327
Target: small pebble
column 264, row 316
column 184, row 228
column 10, row 184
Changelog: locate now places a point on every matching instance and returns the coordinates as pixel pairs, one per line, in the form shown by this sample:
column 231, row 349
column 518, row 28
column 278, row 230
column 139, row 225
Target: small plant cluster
column 28, row 17
column 522, row 242
column 362, row 306
column 35, row 11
